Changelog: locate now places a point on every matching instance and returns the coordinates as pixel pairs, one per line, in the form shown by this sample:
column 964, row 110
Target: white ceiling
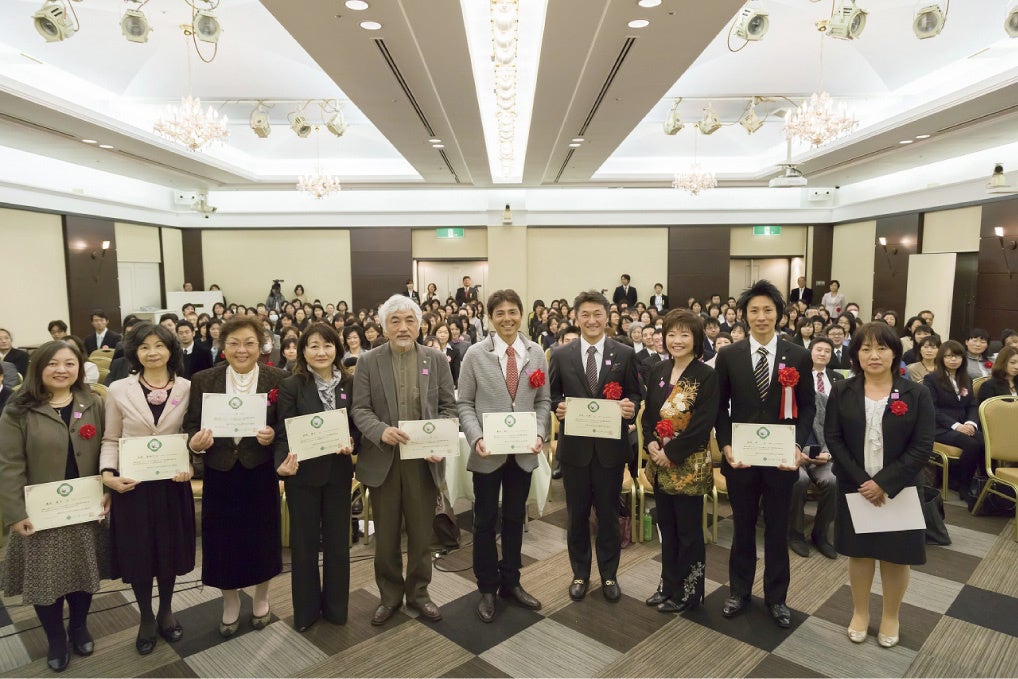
column 595, row 78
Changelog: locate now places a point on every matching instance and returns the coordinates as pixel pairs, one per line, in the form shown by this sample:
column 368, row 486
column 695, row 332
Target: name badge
column 424, row 371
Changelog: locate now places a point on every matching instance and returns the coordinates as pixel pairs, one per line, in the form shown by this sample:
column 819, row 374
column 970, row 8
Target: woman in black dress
column 152, row 522
column 879, row 430
column 1004, row 377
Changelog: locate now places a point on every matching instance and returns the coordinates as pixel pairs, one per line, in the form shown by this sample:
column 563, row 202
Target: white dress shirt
column 772, row 350
column 519, row 349
column 826, row 380
column 598, row 353
column 99, row 337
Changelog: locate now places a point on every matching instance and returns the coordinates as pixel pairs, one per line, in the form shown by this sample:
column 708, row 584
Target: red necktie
column 512, row 374
column 820, row 383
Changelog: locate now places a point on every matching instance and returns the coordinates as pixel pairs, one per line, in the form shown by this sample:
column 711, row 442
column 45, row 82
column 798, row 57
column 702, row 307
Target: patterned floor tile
column 915, row 623
column 475, row 667
column 997, row 572
column 926, row 591
column 754, row 626
column 275, row 651
column 333, row 639
column 960, row 649
column 574, row 655
column 175, row 670
column 460, row 623
column 543, row 540
column 775, row 666
column 968, row 541
column 825, row 646
column 948, row 563
column 973, row 603
column 599, row 620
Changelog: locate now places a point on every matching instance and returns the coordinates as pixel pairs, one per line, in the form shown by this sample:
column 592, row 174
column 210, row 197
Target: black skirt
column 240, row 524
column 907, row 547
column 152, row 531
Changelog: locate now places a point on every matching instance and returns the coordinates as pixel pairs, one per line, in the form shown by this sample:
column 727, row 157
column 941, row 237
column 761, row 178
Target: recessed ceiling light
column 905, row 141
column 105, row 146
column 922, row 136
column 649, row 3
column 356, row 5
column 90, row 141
column 639, row 23
column 580, row 139
column 574, row 145
column 434, row 140
column 438, row 146
column 371, row 25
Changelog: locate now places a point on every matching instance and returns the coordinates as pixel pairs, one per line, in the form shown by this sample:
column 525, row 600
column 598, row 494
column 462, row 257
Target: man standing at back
column 748, row 373
column 467, row 293
column 625, row 293
column 592, row 467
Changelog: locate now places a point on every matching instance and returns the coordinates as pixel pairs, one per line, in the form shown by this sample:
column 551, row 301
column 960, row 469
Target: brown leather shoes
column 428, row 610
column 382, row 614
column 520, row 596
column 486, row 607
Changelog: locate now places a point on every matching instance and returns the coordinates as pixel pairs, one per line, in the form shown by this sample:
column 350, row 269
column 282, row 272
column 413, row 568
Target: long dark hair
column 33, row 392
column 140, row 333
column 329, row 336
column 999, row 371
column 961, row 375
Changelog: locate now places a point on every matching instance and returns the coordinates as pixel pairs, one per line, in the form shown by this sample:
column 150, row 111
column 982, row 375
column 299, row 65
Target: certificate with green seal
column 236, row 415
column 318, row 434
column 764, row 445
column 430, row 438
column 510, row 433
column 597, row 418
column 64, row 503
column 153, row 458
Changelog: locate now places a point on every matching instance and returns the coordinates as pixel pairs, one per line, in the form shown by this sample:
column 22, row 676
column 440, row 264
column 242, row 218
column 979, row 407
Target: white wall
column 507, row 260
column 137, row 243
column 931, row 286
column 426, row 245
column 852, row 264
column 173, row 259
column 790, row 243
column 952, row 230
column 562, row 262
column 244, row 262
column 35, row 290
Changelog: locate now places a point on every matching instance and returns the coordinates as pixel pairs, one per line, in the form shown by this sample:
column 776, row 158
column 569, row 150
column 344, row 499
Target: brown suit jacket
column 128, row 415
column 224, row 453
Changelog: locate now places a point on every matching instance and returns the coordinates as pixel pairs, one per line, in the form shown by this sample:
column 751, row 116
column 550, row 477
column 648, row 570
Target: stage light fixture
column 1011, row 19
column 336, row 124
column 53, row 23
column 929, row 21
column 750, row 121
column 207, row 27
column 135, row 26
column 260, row 123
column 847, row 21
column 300, row 125
column 751, row 24
column 710, row 122
column 672, row 122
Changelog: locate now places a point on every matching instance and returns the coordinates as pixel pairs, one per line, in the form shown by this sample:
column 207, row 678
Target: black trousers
column 971, row 454
column 746, row 488
column 683, row 555
column 514, row 484
column 319, row 516
column 827, row 487
column 593, row 486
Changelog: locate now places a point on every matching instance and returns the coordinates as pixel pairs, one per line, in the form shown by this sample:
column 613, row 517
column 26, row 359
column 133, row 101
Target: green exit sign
column 449, row 233
column 766, row 230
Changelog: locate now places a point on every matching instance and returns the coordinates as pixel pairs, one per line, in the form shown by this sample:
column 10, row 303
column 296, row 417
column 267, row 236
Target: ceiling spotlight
column 750, row 120
column 260, row 123
column 922, row 136
column 371, row 25
column 53, row 23
column 929, row 21
column 672, row 122
column 751, row 23
column 638, row 23
column 434, row 140
column 336, row 124
column 578, row 140
column 135, row 26
column 207, row 27
column 710, row 122
column 847, row 21
column 438, row 146
column 106, row 146
column 649, row 3
column 300, row 125
column 575, row 145
column 1011, row 19
column 356, row 5
column 89, row 141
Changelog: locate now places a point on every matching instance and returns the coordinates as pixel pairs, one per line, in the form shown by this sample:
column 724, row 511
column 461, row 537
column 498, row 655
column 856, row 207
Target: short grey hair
column 635, row 325
column 397, row 303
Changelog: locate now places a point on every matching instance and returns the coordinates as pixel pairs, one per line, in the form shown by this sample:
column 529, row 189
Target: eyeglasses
column 250, row 346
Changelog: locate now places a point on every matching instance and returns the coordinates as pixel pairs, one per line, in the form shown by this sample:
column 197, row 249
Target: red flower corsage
column 273, row 395
column 537, row 379
column 270, row 364
column 837, row 309
column 899, row 408
column 788, row 377
column 86, row 432
column 613, row 391
column 988, row 364
column 665, row 429
column 902, row 371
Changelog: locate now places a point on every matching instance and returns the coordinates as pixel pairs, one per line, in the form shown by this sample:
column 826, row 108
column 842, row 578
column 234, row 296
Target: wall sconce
column 100, row 255
column 507, row 216
column 1005, row 245
column 888, row 253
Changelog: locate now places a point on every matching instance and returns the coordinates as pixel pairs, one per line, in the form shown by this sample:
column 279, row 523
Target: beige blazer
column 128, row 414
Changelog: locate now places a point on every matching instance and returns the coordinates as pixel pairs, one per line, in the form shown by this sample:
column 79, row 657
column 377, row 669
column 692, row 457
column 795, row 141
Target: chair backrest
column 978, row 382
column 715, row 450
column 998, row 417
column 640, row 454
column 103, row 374
column 101, row 354
column 100, row 389
column 101, row 361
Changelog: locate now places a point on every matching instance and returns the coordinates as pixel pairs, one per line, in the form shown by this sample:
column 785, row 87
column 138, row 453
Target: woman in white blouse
column 834, row 301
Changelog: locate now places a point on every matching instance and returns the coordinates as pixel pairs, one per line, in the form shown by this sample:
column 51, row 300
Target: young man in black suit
column 592, row 468
column 659, row 300
column 625, row 292
column 468, row 293
column 104, row 338
column 197, row 356
column 748, row 374
column 801, row 293
column 839, row 359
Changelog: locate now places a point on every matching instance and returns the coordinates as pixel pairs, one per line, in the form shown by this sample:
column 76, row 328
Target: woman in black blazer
column 879, row 430
column 684, row 392
column 957, row 410
column 1004, row 377
column 317, row 489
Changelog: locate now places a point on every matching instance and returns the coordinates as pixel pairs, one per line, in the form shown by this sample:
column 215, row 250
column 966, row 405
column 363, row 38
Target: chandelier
column 318, row 184
column 191, row 126
column 504, row 43
column 818, row 122
column 695, row 180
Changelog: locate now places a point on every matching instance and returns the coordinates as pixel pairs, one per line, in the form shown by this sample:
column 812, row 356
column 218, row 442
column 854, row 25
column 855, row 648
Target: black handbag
column 993, row 505
column 933, row 512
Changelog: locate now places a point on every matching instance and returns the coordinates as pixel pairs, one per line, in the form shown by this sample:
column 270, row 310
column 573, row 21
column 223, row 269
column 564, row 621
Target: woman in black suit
column 957, row 410
column 683, row 392
column 879, row 430
column 1004, row 378
column 317, row 489
column 443, row 335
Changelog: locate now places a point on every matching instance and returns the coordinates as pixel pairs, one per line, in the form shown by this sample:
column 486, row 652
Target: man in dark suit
column 839, row 359
column 818, row 470
column 410, row 292
column 592, row 468
column 801, row 293
column 625, row 293
column 711, row 328
column 659, row 300
column 748, row 373
column 468, row 293
column 655, row 354
column 9, row 354
column 196, row 355
column 104, row 338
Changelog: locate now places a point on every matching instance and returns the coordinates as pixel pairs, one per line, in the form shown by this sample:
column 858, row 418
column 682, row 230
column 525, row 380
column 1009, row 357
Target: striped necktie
column 760, row 373
column 592, row 370
column 512, row 373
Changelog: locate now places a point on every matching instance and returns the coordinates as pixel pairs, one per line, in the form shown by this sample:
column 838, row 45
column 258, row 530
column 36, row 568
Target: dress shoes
column 428, row 610
column 171, row 633
column 798, row 544
column 520, row 596
column 734, row 605
column 781, row 615
column 556, row 472
column 144, row 645
column 58, row 659
column 382, row 614
column 81, row 641
column 611, row 590
column 824, row 547
column 578, row 589
column 228, row 629
column 486, row 607
column 657, row 598
column 886, row 641
column 855, row 636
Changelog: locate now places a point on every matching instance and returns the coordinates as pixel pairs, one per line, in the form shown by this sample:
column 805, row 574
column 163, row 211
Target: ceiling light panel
column 929, row 21
column 356, row 5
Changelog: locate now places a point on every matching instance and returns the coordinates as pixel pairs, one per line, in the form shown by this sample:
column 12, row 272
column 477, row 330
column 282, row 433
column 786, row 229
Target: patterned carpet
column 960, row 618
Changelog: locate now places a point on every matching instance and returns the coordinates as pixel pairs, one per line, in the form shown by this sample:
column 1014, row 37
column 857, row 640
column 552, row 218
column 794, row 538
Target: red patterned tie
column 512, row 374
column 820, row 383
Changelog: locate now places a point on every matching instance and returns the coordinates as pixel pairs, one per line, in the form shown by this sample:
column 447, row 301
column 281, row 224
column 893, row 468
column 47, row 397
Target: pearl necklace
column 242, row 383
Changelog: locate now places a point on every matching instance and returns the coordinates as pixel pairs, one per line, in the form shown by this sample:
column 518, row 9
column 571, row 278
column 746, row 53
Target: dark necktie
column 837, row 355
column 592, row 369
column 512, row 374
column 760, row 373
column 820, row 383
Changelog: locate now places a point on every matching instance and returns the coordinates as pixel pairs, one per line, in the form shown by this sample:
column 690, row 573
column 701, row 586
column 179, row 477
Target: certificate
column 318, row 434
column 64, row 503
column 902, row 512
column 594, row 417
column 233, row 414
column 430, row 438
column 153, row 458
column 510, row 433
column 764, row 445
